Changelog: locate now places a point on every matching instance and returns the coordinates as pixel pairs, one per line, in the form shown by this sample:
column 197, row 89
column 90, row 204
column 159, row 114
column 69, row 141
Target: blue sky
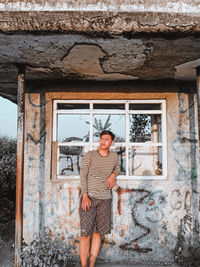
column 8, row 118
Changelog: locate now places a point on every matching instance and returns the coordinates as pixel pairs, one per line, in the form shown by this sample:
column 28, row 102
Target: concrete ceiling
column 152, row 53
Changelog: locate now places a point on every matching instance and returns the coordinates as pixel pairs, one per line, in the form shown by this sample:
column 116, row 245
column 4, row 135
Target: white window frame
column 127, row 144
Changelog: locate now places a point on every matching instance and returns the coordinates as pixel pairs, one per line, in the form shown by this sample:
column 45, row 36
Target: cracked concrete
column 145, row 40
column 82, row 57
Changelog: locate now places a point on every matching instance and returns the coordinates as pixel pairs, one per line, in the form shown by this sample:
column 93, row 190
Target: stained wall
column 154, row 220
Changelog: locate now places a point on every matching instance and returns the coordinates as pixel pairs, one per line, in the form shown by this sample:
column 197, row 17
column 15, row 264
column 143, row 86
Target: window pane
column 143, row 106
column 121, row 151
column 114, row 123
column 69, row 161
column 73, row 127
column 145, row 161
column 109, row 106
column 72, row 106
column 144, row 128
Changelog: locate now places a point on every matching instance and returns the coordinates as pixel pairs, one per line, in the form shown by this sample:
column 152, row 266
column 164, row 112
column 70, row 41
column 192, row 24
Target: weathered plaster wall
column 152, row 220
column 103, row 5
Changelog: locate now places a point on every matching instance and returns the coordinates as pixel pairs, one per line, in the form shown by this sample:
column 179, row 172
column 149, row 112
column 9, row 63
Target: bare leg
column 84, row 247
column 95, row 247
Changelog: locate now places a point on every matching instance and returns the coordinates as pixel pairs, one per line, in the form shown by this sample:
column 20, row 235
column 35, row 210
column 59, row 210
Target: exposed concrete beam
column 20, row 164
column 98, row 21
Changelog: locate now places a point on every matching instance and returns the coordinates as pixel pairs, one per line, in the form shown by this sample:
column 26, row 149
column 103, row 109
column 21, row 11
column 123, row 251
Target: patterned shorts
column 97, row 219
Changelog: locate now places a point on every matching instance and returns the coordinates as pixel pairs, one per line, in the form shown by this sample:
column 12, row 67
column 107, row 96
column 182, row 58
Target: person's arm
column 86, row 203
column 111, row 179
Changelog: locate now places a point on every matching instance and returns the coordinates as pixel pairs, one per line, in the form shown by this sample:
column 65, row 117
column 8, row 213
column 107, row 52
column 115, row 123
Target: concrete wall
column 179, row 6
column 152, row 220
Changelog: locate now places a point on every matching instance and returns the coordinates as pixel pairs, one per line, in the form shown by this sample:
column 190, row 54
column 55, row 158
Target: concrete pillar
column 198, row 95
column 20, row 164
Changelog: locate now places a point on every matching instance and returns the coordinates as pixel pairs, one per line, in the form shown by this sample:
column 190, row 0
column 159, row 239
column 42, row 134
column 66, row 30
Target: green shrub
column 8, row 149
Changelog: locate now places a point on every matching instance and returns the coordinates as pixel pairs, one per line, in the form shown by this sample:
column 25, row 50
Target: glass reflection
column 144, row 128
column 73, row 128
column 69, row 161
column 145, row 160
column 114, row 123
column 121, row 151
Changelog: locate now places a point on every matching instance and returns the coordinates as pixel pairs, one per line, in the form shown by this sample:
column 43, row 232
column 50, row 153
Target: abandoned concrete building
column 78, row 67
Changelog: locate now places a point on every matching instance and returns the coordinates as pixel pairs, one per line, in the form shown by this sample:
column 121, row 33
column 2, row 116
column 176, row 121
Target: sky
column 8, row 118
column 8, row 122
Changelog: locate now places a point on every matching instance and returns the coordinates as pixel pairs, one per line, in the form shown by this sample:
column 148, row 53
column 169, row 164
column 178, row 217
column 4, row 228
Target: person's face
column 105, row 141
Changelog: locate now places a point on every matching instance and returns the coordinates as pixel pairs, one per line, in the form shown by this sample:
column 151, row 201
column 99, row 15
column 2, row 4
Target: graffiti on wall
column 35, row 151
column 181, row 144
column 146, row 208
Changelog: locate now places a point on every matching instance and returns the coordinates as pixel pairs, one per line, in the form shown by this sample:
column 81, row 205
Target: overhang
column 104, row 44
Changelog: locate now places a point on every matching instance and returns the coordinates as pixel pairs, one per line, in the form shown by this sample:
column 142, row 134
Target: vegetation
column 8, row 149
column 45, row 251
column 140, row 126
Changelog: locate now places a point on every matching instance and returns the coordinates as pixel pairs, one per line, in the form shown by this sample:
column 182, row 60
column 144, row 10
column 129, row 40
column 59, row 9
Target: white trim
column 119, row 101
column 145, row 112
column 145, row 144
column 108, row 112
column 127, row 136
column 60, row 112
column 120, row 177
column 55, row 126
column 127, row 144
column 91, row 126
column 164, row 139
column 95, row 144
column 65, row 177
column 73, row 143
column 72, row 101
column 58, row 161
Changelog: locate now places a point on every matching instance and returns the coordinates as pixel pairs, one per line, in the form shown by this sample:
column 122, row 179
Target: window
column 139, row 126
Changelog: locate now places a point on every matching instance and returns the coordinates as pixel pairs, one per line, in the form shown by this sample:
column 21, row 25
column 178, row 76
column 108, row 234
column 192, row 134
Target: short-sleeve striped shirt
column 94, row 172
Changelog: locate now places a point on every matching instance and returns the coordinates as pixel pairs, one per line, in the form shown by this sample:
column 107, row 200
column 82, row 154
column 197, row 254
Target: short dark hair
column 108, row 132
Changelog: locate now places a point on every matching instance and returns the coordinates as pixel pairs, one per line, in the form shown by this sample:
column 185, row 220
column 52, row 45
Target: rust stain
column 137, row 247
column 122, row 232
column 20, row 165
column 51, row 234
column 120, row 191
column 70, row 201
column 151, row 202
column 79, row 191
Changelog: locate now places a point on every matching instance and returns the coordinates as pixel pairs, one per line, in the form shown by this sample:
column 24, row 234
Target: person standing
column 97, row 177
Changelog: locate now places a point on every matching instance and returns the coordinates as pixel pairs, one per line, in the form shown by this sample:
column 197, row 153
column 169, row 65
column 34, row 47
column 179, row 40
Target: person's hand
column 111, row 181
column 86, row 203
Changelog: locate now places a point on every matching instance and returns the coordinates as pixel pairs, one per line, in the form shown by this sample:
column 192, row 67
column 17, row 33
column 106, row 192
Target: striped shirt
column 95, row 171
